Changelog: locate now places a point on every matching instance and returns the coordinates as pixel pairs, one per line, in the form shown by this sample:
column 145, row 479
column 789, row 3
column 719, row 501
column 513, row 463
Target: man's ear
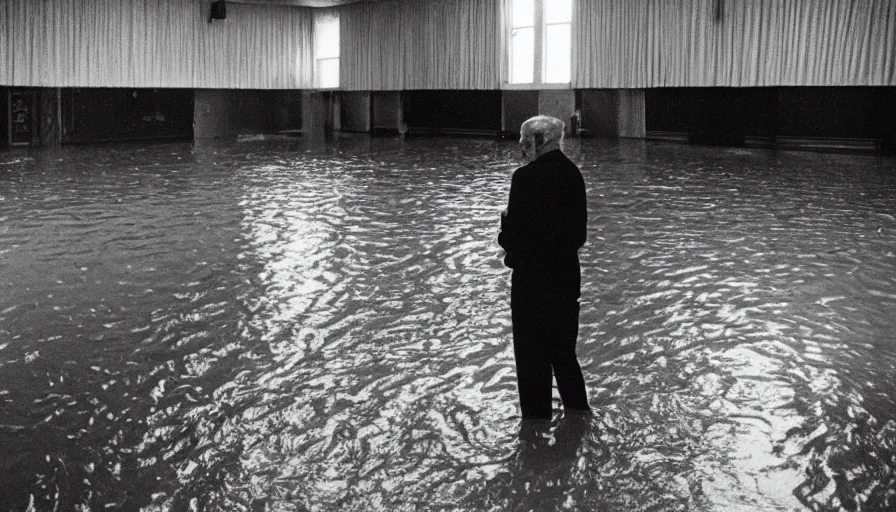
column 539, row 140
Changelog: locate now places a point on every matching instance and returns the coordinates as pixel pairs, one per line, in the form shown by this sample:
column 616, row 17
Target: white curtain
column 451, row 44
column 666, row 43
column 153, row 43
column 370, row 47
column 421, row 44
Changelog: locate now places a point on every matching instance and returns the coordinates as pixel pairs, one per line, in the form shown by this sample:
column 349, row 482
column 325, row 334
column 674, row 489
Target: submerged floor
column 281, row 325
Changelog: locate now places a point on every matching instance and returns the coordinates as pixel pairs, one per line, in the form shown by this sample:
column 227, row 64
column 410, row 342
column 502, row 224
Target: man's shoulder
column 526, row 170
column 560, row 156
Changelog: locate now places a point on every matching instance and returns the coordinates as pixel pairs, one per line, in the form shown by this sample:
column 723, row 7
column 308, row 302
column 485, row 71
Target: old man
column 541, row 231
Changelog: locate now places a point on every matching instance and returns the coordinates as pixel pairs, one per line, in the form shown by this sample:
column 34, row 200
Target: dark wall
column 4, row 118
column 712, row 115
column 518, row 106
column 723, row 115
column 227, row 113
column 96, row 115
column 667, row 110
column 600, row 111
column 726, row 115
column 469, row 110
column 355, row 111
column 847, row 112
column 386, row 110
column 889, row 125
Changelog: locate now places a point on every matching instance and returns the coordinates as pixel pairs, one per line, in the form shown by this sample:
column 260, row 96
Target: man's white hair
column 550, row 128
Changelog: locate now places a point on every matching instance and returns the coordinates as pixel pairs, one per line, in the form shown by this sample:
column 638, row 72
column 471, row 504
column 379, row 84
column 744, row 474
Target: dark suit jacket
column 543, row 229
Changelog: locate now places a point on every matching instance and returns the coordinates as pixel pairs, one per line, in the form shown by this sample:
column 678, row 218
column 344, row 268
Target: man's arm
column 513, row 220
column 580, row 212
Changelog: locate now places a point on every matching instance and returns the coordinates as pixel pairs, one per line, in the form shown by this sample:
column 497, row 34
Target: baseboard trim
column 827, row 143
column 668, row 136
column 452, row 132
column 759, row 142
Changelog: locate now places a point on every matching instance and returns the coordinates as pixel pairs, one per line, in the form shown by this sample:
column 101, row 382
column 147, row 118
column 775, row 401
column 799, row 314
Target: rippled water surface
column 281, row 325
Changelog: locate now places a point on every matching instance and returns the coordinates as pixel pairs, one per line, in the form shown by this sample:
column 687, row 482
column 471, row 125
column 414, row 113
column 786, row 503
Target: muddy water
column 280, row 325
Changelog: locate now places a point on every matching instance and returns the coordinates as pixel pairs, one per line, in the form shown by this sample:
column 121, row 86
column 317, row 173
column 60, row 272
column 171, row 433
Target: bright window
column 557, row 41
column 326, row 52
column 522, row 42
column 540, row 41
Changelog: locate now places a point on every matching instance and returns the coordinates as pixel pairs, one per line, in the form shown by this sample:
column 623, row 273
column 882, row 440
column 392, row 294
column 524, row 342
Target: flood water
column 296, row 326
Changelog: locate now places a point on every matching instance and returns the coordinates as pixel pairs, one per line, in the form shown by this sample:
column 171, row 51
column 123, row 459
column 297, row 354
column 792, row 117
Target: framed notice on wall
column 21, row 117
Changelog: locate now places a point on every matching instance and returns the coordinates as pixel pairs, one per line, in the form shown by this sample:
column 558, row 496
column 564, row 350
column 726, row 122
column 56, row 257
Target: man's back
column 546, row 225
column 542, row 230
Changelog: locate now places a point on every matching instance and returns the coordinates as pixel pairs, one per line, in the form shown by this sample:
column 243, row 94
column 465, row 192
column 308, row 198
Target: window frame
column 540, row 48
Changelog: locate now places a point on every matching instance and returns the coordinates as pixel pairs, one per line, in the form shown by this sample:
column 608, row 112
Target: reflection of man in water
column 541, row 232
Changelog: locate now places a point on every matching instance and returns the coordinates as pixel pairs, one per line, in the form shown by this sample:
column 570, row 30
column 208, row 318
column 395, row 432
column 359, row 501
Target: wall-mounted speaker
column 219, row 10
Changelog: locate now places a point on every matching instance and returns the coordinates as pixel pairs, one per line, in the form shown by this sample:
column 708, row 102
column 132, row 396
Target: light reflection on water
column 282, row 326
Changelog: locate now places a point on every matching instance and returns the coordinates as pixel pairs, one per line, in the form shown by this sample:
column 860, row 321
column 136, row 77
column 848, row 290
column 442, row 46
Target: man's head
column 540, row 134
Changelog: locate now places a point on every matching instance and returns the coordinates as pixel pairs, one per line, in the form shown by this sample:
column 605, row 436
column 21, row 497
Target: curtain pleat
column 370, row 47
column 421, row 44
column 153, row 43
column 690, row 43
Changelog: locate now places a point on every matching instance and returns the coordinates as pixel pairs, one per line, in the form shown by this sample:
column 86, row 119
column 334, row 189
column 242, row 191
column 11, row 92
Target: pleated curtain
column 737, row 43
column 445, row 44
column 421, row 44
column 153, row 43
column 370, row 55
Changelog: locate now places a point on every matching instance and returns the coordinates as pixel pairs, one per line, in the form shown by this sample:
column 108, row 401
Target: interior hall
column 251, row 254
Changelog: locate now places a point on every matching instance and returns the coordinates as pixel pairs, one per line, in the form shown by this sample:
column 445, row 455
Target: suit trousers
column 544, row 343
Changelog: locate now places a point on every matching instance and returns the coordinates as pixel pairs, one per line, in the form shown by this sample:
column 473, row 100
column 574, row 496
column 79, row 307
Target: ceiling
column 302, row 3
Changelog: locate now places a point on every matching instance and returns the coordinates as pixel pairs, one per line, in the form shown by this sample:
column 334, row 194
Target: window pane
column 557, row 53
column 558, row 11
column 523, row 13
column 522, row 56
column 326, row 38
column 328, row 73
